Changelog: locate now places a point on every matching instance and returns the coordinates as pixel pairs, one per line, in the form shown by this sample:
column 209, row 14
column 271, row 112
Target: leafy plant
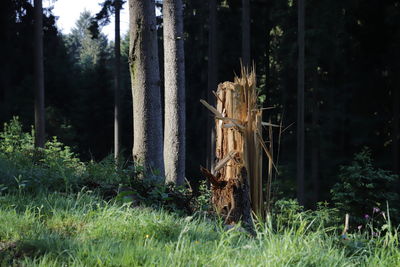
column 13, row 139
column 363, row 187
column 203, row 200
column 54, row 167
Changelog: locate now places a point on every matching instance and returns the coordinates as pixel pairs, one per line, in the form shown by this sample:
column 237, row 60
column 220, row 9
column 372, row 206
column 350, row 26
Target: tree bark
column 268, row 46
column 315, row 143
column 212, row 80
column 270, row 173
column 300, row 105
column 6, row 96
column 117, row 79
column 268, row 195
column 174, row 73
column 396, row 134
column 145, row 79
column 246, row 33
column 39, row 76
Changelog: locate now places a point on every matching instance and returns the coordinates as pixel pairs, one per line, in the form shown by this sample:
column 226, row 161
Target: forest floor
column 81, row 229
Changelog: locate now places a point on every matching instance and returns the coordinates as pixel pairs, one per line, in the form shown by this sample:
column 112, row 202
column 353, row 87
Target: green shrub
column 26, row 168
column 13, row 139
column 105, row 172
column 56, row 153
column 363, row 189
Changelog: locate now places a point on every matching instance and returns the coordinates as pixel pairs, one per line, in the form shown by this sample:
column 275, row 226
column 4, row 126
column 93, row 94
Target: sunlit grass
column 83, row 230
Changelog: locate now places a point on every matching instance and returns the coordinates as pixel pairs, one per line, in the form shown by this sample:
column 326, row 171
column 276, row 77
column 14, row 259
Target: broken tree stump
column 236, row 181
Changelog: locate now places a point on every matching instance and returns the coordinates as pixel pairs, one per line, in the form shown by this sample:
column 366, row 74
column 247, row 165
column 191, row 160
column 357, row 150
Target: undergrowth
column 56, row 168
column 58, row 211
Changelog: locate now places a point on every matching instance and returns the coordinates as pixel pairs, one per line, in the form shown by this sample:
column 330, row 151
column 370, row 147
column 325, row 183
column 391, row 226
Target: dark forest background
column 352, row 83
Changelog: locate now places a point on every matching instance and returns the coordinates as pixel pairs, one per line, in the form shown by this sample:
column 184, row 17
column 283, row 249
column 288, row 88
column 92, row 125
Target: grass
column 83, row 230
column 41, row 227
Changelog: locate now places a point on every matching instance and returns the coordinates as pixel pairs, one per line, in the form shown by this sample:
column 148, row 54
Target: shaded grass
column 84, row 230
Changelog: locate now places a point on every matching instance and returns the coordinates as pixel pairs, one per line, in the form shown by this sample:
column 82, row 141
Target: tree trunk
column 315, row 143
column 145, row 79
column 300, row 105
column 396, row 134
column 39, row 76
column 268, row 47
column 174, row 73
column 117, row 79
column 270, row 174
column 212, row 80
column 246, row 33
column 6, row 97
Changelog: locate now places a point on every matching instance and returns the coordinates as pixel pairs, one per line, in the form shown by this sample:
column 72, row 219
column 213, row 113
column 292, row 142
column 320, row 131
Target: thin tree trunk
column 145, row 78
column 174, row 73
column 300, row 105
column 270, row 169
column 39, row 76
column 396, row 130
column 212, row 80
column 6, row 98
column 267, row 49
column 315, row 144
column 269, row 172
column 117, row 79
column 246, row 33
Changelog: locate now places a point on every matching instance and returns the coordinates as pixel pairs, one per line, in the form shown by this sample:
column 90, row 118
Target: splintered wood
column 237, row 178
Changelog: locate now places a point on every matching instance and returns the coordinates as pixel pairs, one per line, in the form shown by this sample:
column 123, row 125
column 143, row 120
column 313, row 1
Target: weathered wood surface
column 239, row 148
